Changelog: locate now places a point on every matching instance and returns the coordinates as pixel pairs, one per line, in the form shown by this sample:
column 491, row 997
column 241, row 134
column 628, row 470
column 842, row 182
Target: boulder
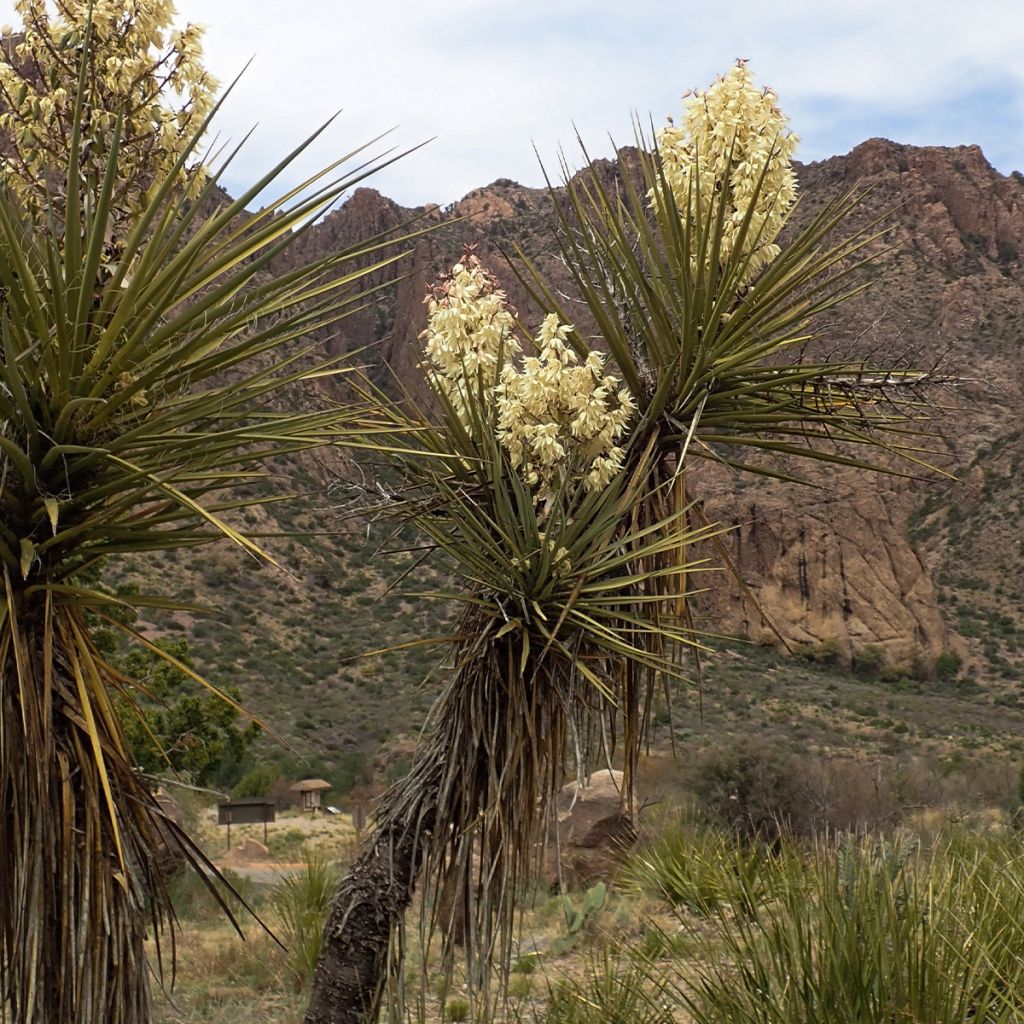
column 246, row 851
column 594, row 829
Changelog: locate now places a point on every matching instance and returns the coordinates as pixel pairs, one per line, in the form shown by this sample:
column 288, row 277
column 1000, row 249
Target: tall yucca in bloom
column 576, row 610
column 516, row 474
column 734, row 133
column 140, row 384
column 139, row 70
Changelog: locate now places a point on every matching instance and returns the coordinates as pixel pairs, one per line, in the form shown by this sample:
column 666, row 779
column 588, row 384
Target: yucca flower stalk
column 132, row 68
column 710, row 319
column 548, row 584
column 135, row 397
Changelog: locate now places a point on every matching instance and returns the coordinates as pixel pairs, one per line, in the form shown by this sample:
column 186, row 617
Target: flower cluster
column 550, row 412
column 554, row 412
column 734, row 132
column 138, row 69
column 469, row 334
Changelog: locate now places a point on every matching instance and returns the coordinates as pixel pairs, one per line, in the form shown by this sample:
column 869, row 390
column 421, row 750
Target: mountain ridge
column 855, row 565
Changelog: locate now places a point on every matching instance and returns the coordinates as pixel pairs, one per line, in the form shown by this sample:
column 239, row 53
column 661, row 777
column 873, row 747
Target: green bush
column 869, row 661
column 456, row 1010
column 947, row 665
column 288, row 845
column 751, row 785
column 828, row 651
column 610, row 990
column 257, row 781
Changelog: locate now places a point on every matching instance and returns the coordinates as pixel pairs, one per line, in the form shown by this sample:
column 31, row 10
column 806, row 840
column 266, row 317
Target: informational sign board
column 245, row 812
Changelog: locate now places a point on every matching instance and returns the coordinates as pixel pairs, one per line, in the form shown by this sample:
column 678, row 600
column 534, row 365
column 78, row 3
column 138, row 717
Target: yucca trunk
column 371, row 902
column 463, row 828
column 74, row 886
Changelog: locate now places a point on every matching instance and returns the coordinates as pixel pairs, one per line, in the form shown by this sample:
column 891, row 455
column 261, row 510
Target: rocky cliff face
column 835, row 562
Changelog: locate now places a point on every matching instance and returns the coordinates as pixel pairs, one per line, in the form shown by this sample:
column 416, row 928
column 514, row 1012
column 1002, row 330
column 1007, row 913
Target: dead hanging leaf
column 53, row 511
column 28, row 554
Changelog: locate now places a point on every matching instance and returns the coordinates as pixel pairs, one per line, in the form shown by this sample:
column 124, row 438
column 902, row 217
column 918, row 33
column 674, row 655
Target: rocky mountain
column 896, row 572
column 833, row 564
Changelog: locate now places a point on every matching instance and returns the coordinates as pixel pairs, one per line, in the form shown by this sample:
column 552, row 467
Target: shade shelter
column 311, row 790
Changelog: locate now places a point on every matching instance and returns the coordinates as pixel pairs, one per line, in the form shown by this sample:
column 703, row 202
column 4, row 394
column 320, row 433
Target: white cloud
column 491, row 79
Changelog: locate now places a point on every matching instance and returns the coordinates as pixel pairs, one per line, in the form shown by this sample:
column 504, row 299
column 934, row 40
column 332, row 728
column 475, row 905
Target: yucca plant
column 712, row 334
column 549, row 618
column 137, row 390
column 572, row 530
column 301, row 902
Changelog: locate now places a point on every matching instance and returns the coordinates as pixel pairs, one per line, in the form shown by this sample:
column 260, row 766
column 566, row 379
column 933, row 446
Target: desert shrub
column 750, row 785
column 257, row 781
column 353, row 770
column 456, row 1010
column 869, row 660
column 828, row 651
column 947, row 665
column 900, row 672
column 288, row 845
column 301, row 902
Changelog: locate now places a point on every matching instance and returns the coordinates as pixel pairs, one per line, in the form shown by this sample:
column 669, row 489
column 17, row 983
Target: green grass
column 851, row 930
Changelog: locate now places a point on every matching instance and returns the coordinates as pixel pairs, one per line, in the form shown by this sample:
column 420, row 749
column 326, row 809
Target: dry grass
column 289, row 838
column 224, row 979
column 635, row 953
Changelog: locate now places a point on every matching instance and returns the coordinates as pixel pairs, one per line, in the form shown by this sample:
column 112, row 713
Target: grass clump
column 872, row 931
column 301, row 902
column 456, row 1010
column 610, row 990
column 705, row 871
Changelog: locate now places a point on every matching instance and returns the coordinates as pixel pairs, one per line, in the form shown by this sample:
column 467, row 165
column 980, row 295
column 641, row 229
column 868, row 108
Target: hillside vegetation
column 908, row 570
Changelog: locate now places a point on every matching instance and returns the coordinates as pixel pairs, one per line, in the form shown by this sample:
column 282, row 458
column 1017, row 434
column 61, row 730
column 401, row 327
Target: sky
column 494, row 84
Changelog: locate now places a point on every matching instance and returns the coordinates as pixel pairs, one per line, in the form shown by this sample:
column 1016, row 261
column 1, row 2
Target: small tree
column 198, row 736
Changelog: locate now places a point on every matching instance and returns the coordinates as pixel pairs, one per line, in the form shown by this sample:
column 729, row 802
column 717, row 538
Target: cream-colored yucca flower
column 469, row 332
column 731, row 132
column 552, row 412
column 139, row 69
column 555, row 413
